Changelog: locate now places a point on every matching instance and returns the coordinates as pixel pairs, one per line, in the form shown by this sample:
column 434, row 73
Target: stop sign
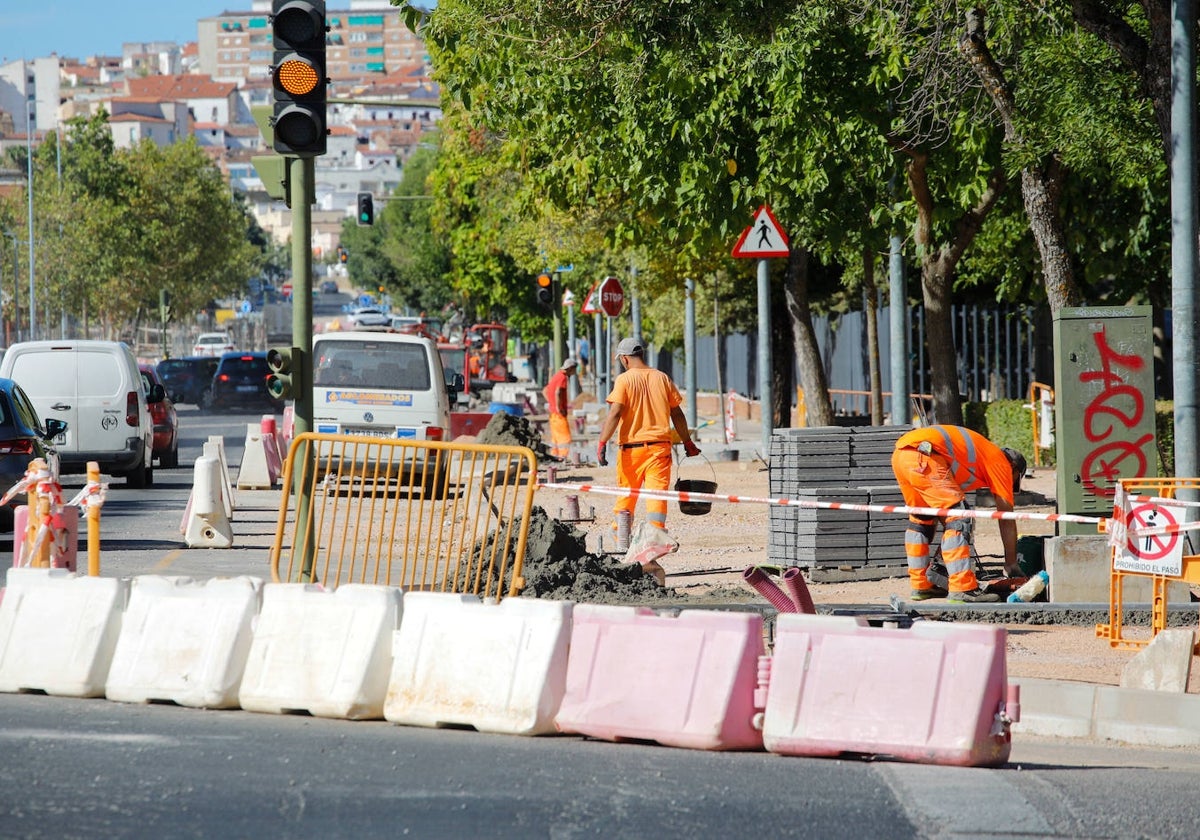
column 612, row 296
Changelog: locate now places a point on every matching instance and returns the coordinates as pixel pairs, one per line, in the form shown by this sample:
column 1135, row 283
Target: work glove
column 602, row 453
column 690, row 448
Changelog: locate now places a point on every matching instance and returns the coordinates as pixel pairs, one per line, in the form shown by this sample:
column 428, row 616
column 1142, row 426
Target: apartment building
column 368, row 38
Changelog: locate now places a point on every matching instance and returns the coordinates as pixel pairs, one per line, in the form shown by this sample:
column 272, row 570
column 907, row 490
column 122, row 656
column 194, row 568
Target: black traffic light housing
column 545, row 290
column 298, row 76
column 366, row 208
column 285, row 379
column 343, row 255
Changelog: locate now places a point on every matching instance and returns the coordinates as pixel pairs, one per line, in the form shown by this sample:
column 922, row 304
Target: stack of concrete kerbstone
column 836, row 464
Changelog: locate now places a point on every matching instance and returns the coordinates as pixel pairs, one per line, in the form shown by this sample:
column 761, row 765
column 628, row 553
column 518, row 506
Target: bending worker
column 643, row 406
column 556, row 402
column 936, row 466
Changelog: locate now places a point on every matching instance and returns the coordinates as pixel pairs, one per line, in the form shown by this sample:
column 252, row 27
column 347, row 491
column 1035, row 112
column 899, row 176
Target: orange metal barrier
column 1160, row 488
column 422, row 515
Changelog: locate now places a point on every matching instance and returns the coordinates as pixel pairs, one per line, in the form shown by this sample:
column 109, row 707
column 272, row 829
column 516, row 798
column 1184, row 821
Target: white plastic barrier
column 207, row 525
column 496, row 667
column 326, row 653
column 215, row 448
column 255, row 471
column 185, row 641
column 58, row 631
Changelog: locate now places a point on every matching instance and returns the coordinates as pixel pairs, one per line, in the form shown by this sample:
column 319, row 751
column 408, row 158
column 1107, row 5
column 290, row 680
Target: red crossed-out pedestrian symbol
column 1152, row 546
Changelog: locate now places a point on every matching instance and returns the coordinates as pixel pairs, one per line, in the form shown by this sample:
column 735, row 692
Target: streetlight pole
column 29, row 176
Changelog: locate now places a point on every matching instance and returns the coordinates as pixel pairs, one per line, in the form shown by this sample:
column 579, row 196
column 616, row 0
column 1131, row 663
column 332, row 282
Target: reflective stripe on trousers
column 649, row 467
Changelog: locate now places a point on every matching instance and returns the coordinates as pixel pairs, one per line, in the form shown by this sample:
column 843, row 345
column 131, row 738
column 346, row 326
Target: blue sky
column 78, row 28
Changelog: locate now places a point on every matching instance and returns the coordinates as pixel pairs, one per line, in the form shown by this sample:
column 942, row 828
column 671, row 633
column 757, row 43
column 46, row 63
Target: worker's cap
column 630, row 347
column 1017, row 461
column 568, row 363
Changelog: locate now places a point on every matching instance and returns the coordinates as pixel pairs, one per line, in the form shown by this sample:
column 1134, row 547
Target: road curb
column 1084, row 710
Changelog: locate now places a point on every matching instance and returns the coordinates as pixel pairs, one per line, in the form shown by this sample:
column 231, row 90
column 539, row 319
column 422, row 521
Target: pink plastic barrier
column 936, row 693
column 270, row 440
column 685, row 681
column 71, row 519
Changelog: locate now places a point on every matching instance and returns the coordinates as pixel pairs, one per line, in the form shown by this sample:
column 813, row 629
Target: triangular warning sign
column 764, row 237
column 589, row 303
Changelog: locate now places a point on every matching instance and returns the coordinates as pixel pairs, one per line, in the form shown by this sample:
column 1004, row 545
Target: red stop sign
column 612, row 296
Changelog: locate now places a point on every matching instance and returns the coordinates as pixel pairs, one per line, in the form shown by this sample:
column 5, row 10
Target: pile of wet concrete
column 557, row 563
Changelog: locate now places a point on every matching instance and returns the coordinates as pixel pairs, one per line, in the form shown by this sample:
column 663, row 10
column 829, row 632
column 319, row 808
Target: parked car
column 213, row 344
column 329, row 287
column 369, row 316
column 96, row 388
column 164, row 420
column 188, row 379
column 241, row 382
column 23, row 437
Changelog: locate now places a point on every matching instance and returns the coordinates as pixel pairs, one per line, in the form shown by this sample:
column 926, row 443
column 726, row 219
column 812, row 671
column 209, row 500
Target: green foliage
column 1006, row 423
column 131, row 222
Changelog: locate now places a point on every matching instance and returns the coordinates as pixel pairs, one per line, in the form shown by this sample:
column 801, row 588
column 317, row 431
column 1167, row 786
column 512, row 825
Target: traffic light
column 545, row 290
column 284, row 378
column 343, row 255
column 366, row 209
column 298, row 29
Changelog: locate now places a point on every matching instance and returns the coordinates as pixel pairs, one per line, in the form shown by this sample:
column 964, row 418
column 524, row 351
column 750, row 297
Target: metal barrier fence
column 425, row 515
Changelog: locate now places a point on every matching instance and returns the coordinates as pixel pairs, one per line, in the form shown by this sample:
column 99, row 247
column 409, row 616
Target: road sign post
column 762, row 240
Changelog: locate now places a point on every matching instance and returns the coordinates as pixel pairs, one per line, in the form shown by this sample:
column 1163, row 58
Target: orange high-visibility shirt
column 975, row 461
column 647, row 395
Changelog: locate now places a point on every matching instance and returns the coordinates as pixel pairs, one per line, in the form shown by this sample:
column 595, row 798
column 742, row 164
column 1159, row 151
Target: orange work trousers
column 646, row 466
column 927, row 481
column 560, row 436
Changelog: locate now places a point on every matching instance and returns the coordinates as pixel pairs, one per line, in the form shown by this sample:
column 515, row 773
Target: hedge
column 1010, row 423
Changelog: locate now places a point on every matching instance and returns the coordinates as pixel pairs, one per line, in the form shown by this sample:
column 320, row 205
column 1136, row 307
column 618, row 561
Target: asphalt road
column 94, row 768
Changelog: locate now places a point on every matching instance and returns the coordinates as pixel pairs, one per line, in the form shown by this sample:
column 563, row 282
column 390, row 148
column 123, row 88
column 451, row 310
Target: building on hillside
column 155, row 58
column 207, row 101
column 30, row 92
column 133, row 119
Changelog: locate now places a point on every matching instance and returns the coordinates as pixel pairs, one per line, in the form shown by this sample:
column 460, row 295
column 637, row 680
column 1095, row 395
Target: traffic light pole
column 303, row 186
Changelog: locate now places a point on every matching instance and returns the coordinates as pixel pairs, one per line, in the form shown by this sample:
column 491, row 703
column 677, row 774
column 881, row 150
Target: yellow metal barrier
column 1162, row 488
column 425, row 515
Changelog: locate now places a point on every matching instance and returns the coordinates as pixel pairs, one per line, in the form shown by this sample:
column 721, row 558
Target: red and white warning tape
column 678, row 495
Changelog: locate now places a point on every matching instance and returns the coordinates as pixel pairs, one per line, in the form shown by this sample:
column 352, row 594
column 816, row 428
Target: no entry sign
column 1154, row 554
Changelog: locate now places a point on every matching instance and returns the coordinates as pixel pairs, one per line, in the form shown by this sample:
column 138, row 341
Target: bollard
column 624, row 523
column 576, row 458
column 93, row 518
column 572, row 507
column 551, row 475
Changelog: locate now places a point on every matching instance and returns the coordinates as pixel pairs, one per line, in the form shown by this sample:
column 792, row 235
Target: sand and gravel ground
column 715, row 548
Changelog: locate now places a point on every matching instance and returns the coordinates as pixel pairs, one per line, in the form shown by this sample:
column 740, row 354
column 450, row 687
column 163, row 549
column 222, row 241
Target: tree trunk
column 870, row 296
column 819, row 411
column 783, row 363
column 938, row 264
column 1041, row 186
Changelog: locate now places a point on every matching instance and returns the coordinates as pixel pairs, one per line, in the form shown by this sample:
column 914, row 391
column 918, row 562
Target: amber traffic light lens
column 297, row 77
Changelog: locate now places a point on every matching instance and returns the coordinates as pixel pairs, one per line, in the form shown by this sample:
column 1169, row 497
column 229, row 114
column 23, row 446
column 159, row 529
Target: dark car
column 23, row 437
column 241, row 382
column 164, row 420
column 188, row 379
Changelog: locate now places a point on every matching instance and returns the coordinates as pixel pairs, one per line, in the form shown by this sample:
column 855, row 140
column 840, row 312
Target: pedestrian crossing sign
column 764, row 237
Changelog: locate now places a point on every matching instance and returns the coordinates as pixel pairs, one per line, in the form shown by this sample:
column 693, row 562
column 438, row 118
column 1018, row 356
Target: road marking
column 166, row 562
column 967, row 802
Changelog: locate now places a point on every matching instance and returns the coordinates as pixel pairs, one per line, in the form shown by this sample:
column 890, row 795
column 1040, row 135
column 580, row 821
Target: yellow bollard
column 93, row 518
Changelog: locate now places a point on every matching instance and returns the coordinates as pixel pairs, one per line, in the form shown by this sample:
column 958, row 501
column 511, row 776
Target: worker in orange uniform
column 643, row 406
column 936, row 466
column 556, row 402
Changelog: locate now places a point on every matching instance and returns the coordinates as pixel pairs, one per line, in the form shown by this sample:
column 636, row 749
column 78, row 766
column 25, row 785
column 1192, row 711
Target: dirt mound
column 506, row 429
column 558, row 566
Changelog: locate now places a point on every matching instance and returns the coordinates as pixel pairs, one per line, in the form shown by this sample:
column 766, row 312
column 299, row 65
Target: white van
column 382, row 384
column 95, row 386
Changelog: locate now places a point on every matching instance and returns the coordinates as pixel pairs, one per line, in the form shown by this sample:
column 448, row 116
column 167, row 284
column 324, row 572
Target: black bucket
column 691, row 485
